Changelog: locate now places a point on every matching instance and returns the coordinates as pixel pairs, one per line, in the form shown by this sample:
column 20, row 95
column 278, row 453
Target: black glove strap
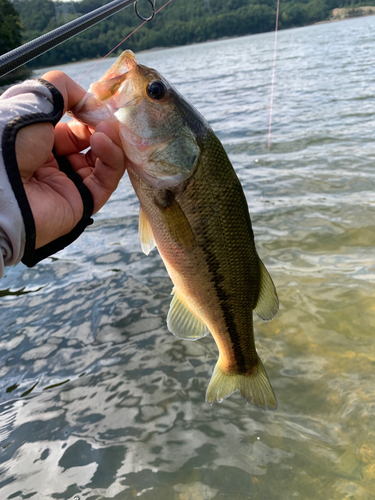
column 8, row 140
column 36, row 256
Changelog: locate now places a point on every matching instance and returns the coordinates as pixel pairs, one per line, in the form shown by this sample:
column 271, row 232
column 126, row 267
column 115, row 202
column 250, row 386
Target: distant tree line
column 10, row 27
column 181, row 22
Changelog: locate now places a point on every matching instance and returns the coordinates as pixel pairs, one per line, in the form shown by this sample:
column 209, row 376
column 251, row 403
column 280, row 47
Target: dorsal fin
column 268, row 303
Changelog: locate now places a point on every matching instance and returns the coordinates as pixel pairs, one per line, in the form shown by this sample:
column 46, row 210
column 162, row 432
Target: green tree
column 10, row 27
column 182, row 22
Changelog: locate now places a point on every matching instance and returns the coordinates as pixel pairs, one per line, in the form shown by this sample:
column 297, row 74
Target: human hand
column 53, row 198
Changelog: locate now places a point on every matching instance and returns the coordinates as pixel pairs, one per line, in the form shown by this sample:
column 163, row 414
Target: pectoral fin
column 268, row 302
column 182, row 322
column 145, row 233
column 175, row 219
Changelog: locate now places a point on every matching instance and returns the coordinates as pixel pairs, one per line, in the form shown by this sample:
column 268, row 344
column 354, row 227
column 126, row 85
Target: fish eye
column 156, row 90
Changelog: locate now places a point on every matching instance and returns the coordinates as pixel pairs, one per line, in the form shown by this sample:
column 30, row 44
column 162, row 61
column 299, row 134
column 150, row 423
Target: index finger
column 71, row 137
column 71, row 91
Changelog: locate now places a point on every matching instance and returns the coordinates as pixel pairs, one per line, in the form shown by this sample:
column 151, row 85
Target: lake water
column 98, row 399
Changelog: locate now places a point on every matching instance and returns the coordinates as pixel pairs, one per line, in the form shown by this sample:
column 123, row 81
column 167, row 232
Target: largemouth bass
column 193, row 209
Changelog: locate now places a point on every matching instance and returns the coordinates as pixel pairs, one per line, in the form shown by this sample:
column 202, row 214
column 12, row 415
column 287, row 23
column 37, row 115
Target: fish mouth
column 126, row 59
column 115, row 89
column 123, row 64
column 114, row 80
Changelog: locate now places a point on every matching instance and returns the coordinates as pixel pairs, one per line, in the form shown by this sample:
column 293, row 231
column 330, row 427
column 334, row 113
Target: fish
column 194, row 211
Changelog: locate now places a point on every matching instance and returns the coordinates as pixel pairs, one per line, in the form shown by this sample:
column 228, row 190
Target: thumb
column 34, row 144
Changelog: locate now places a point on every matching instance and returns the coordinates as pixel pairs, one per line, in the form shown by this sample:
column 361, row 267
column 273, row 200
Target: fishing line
column 124, row 40
column 273, row 75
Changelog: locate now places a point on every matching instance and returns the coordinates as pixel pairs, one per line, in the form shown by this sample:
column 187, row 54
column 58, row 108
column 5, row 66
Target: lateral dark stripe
column 224, row 299
column 224, row 296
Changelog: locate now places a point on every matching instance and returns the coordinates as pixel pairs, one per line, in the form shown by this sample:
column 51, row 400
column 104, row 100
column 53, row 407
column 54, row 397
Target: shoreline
column 345, row 13
column 338, row 14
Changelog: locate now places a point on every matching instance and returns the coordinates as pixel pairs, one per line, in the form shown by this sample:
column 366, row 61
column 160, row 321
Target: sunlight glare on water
column 98, row 399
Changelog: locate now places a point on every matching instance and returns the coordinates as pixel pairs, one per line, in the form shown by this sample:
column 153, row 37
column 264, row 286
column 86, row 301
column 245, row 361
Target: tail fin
column 255, row 388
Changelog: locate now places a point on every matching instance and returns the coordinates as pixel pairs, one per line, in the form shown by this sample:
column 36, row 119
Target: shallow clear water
column 100, row 401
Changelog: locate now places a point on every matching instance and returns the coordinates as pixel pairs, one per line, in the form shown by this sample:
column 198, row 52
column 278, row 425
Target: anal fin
column 182, row 322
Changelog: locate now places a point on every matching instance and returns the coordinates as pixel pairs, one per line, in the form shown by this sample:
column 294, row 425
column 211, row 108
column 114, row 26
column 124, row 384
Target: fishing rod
column 30, row 50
